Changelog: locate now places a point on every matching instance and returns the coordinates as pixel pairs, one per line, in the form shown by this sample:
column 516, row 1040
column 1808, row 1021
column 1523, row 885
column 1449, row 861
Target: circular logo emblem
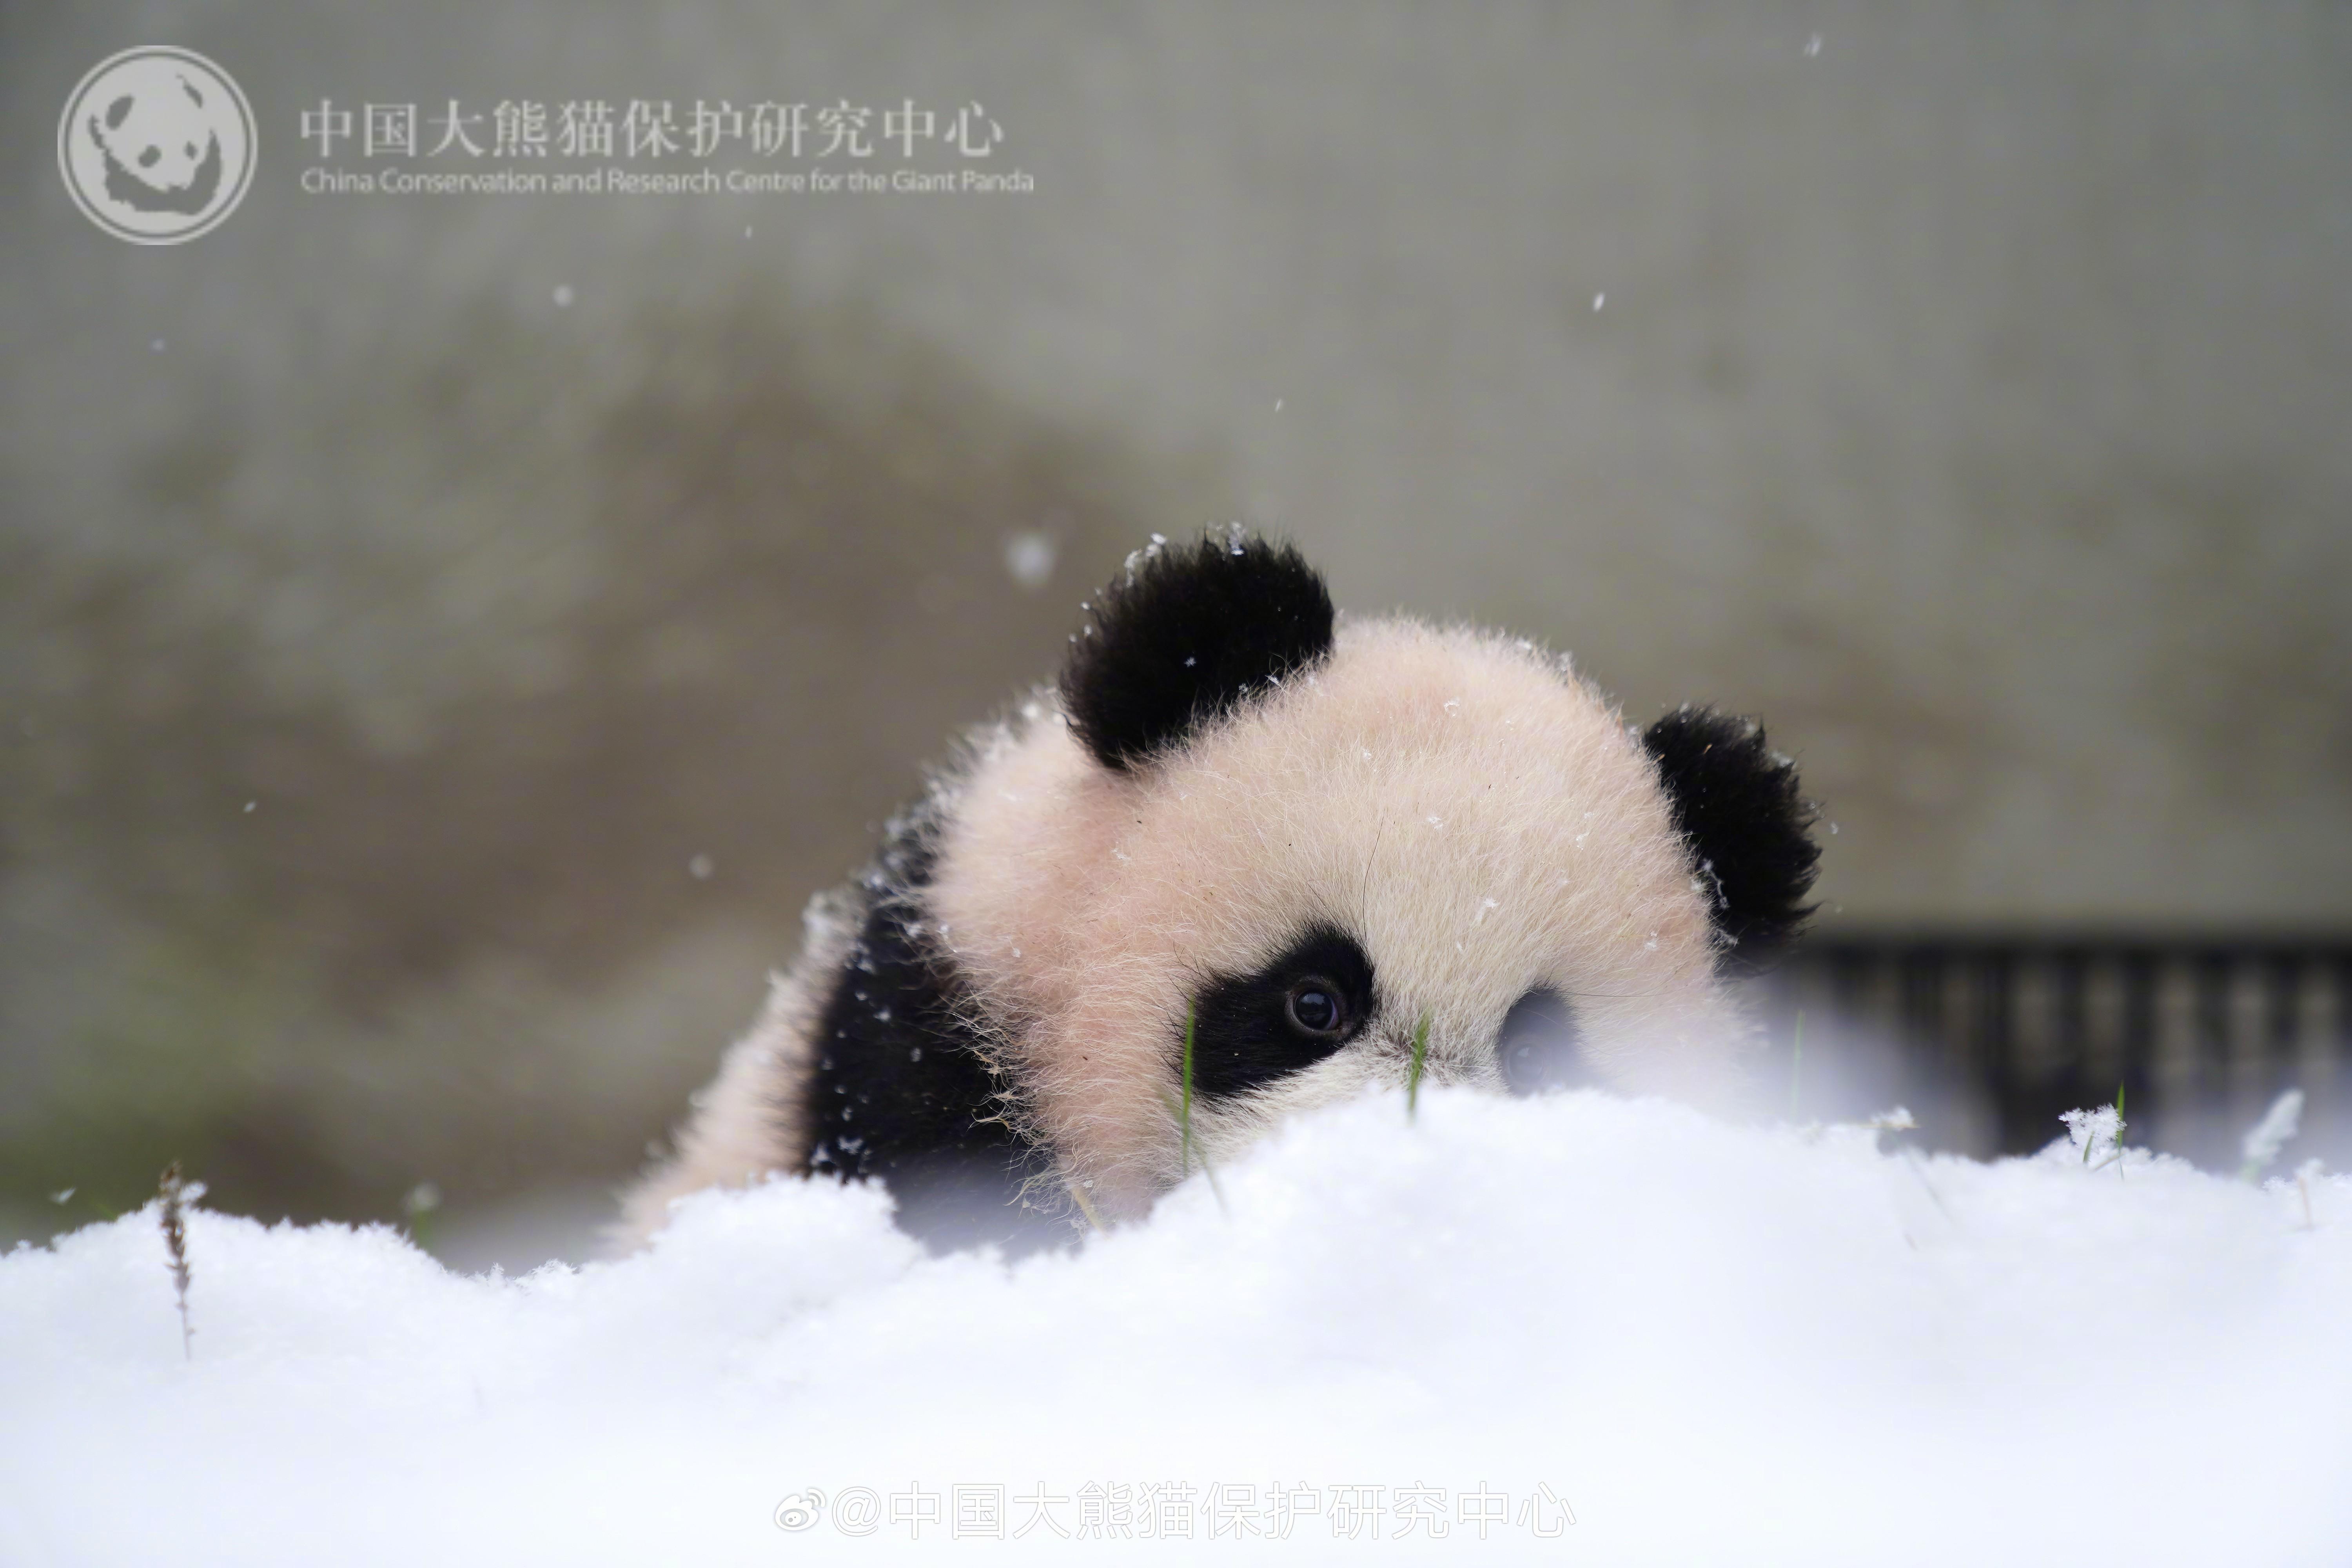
column 156, row 145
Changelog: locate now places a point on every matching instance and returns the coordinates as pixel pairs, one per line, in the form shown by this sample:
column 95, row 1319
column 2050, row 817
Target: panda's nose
column 1539, row 1047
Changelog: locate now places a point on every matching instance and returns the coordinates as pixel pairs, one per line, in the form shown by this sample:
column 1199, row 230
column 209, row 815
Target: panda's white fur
column 749, row 1120
column 1481, row 823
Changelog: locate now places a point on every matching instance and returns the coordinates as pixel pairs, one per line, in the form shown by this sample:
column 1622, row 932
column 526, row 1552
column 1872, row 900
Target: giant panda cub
column 1305, row 843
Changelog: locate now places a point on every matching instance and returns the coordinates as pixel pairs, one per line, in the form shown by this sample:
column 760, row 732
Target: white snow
column 1715, row 1344
column 2273, row 1133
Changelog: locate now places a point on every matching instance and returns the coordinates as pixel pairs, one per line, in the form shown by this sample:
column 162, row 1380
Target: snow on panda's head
column 1314, row 838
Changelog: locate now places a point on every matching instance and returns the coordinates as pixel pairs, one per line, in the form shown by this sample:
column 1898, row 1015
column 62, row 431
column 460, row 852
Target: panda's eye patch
column 1306, row 1002
column 1315, row 1008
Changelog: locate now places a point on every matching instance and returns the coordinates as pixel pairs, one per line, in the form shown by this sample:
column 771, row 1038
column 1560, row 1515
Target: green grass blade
column 1420, row 1059
column 1184, row 1110
column 1796, row 1060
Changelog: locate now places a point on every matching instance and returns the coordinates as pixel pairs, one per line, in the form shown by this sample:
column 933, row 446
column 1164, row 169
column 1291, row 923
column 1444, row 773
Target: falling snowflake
column 1030, row 558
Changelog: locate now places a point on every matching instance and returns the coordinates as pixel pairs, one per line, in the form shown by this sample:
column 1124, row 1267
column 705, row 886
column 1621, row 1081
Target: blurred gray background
column 424, row 707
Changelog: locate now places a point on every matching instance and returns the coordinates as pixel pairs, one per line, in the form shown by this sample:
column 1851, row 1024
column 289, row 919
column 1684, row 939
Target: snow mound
column 1575, row 1326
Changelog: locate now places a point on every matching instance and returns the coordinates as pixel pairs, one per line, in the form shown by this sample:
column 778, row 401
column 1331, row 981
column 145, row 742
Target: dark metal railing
column 1989, row 1037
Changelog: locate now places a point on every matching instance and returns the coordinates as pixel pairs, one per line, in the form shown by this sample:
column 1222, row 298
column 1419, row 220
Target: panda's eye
column 1299, row 1007
column 1313, row 1007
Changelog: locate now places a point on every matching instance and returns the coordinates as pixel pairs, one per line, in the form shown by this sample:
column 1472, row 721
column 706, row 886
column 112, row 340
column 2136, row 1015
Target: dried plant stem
column 173, row 1188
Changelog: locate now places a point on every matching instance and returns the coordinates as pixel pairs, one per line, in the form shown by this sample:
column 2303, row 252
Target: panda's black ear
column 1737, row 805
column 1188, row 632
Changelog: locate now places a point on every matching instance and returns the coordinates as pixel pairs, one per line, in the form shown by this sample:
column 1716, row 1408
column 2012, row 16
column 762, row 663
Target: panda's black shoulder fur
column 1737, row 805
column 900, row 1090
column 1189, row 632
